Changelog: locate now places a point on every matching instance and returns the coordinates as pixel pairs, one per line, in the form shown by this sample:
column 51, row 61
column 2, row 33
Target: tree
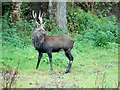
column 61, row 15
column 57, row 10
column 16, row 11
column 50, row 8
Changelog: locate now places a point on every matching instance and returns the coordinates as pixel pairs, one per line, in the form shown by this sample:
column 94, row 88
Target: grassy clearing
column 92, row 67
column 95, row 53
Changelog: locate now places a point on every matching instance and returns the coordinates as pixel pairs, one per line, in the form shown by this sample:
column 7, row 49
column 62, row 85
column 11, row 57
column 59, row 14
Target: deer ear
column 44, row 33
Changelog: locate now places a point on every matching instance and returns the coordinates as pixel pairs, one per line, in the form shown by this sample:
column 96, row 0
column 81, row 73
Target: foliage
column 17, row 34
column 104, row 8
column 50, row 25
column 98, row 8
column 99, row 31
column 25, row 9
column 6, row 7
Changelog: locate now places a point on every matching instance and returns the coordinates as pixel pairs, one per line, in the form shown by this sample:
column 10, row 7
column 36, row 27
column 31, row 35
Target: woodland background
column 92, row 25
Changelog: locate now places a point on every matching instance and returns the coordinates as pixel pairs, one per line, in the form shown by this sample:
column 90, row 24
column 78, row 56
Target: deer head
column 39, row 31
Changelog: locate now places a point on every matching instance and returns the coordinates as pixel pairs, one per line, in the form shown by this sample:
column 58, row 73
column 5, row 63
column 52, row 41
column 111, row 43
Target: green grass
column 95, row 53
column 92, row 67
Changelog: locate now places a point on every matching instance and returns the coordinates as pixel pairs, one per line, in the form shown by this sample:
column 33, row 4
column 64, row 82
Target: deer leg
column 70, row 57
column 50, row 59
column 39, row 58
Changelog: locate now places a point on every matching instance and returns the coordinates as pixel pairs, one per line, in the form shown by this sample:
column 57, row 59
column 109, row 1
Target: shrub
column 107, row 31
column 98, row 31
column 16, row 34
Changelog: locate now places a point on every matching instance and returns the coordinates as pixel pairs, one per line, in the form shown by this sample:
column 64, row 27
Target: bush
column 98, row 31
column 107, row 31
column 50, row 25
column 94, row 30
column 18, row 34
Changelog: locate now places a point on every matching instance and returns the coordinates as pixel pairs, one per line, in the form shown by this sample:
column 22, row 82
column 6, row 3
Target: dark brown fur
column 49, row 44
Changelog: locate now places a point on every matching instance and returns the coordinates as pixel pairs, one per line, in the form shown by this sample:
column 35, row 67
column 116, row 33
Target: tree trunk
column 61, row 16
column 50, row 8
column 16, row 11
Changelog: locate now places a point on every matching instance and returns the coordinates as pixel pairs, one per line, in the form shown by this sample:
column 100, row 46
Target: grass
column 93, row 67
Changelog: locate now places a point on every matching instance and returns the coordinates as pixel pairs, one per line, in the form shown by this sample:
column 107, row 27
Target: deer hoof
column 68, row 71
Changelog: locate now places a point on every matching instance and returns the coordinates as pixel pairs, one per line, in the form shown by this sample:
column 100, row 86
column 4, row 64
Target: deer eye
column 40, row 37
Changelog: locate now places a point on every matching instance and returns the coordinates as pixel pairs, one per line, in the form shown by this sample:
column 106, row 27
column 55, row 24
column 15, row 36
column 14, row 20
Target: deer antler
column 40, row 17
column 34, row 16
column 41, row 24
